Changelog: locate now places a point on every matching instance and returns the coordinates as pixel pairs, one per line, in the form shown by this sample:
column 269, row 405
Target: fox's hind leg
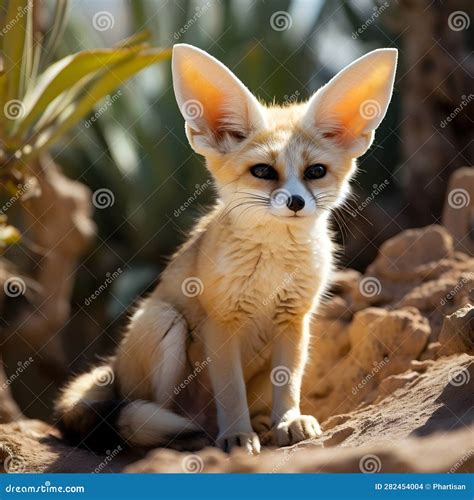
column 151, row 360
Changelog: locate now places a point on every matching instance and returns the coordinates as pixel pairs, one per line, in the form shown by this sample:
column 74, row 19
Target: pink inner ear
column 206, row 93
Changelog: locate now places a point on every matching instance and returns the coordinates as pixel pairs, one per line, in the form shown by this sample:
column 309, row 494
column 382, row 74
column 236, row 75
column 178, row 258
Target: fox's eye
column 263, row 171
column 315, row 171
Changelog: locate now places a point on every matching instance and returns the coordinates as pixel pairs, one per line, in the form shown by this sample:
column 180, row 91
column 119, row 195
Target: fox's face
column 291, row 163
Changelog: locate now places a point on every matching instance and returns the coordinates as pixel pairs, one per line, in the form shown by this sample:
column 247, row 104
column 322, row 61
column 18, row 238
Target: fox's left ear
column 219, row 110
column 351, row 105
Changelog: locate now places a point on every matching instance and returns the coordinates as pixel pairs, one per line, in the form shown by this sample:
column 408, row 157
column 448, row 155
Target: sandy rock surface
column 391, row 379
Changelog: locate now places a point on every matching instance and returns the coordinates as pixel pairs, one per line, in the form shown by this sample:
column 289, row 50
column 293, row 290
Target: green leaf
column 64, row 74
column 110, row 79
column 14, row 42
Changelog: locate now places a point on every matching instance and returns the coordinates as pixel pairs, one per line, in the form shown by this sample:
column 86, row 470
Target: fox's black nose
column 295, row 202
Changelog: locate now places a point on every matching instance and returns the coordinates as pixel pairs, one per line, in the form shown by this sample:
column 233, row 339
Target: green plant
column 39, row 101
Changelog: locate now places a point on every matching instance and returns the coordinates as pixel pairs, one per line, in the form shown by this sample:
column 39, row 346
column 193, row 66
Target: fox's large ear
column 219, row 110
column 352, row 104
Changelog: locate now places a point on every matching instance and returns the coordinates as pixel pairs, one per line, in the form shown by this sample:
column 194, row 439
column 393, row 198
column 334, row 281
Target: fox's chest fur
column 251, row 279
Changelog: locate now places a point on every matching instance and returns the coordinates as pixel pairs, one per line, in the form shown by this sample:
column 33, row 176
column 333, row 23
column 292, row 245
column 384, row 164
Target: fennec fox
column 221, row 345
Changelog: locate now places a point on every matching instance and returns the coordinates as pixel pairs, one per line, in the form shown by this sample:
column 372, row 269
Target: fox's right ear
column 219, row 110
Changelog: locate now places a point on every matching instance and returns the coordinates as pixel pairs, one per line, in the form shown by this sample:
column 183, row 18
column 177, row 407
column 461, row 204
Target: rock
column 414, row 253
column 425, row 426
column 391, row 385
column 457, row 334
column 458, row 213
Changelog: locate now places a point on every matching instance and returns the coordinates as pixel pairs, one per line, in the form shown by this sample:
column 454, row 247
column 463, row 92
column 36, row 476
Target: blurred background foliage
column 135, row 146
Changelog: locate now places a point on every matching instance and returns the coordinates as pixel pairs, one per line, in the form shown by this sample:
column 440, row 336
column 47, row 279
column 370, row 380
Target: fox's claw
column 247, row 440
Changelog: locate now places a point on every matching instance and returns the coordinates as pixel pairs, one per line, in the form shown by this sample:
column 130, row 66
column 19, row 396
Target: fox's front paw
column 247, row 440
column 297, row 429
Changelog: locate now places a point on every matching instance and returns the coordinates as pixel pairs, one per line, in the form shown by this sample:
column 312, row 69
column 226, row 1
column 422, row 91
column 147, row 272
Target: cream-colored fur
column 237, row 298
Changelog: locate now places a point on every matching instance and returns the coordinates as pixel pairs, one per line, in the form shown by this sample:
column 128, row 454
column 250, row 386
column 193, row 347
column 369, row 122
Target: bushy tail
column 89, row 414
